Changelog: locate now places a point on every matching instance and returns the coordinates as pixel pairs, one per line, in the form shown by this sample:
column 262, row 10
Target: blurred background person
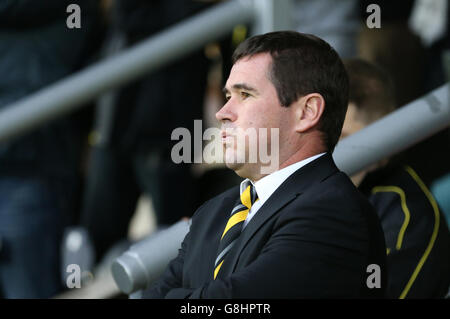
column 39, row 171
column 135, row 157
column 411, row 45
column 416, row 232
column 337, row 22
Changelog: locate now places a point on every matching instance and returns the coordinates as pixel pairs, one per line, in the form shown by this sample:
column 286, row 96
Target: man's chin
column 234, row 160
column 238, row 168
column 234, row 165
column 241, row 169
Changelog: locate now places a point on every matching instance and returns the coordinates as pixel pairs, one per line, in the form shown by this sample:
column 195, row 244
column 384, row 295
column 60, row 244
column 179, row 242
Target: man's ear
column 308, row 110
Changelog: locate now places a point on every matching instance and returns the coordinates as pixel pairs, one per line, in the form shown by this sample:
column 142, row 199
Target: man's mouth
column 226, row 138
column 226, row 135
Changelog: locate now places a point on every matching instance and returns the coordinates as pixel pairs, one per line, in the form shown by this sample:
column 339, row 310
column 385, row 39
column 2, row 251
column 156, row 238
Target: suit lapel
column 293, row 186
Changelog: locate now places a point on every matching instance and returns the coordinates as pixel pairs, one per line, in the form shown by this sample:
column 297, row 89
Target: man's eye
column 245, row 95
column 227, row 97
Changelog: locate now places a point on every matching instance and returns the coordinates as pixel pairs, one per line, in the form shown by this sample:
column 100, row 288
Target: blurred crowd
column 89, row 169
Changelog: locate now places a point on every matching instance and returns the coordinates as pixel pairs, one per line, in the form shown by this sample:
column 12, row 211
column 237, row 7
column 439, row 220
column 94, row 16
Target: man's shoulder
column 339, row 188
column 321, row 184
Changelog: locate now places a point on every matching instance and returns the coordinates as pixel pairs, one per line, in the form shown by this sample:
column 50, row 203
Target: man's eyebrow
column 239, row 86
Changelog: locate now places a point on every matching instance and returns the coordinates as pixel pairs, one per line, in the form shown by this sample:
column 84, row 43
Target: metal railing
column 395, row 132
column 167, row 46
column 398, row 131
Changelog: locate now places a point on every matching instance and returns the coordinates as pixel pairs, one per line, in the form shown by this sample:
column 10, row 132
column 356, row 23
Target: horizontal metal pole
column 167, row 46
column 272, row 15
column 395, row 132
column 146, row 260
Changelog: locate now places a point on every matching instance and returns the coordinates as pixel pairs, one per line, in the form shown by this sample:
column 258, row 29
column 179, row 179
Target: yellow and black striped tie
column 234, row 225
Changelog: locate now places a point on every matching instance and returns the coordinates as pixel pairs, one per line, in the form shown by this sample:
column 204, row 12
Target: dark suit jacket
column 313, row 238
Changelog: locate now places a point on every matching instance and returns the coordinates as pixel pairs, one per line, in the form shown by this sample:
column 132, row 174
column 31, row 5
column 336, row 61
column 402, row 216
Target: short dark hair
column 371, row 89
column 303, row 64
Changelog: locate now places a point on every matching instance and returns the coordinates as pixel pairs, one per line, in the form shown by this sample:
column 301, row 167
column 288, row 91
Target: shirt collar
column 268, row 184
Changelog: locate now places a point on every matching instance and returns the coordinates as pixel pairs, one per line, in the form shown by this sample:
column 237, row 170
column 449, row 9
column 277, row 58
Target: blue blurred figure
column 38, row 171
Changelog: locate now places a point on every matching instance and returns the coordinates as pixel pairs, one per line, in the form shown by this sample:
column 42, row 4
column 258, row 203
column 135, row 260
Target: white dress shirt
column 268, row 184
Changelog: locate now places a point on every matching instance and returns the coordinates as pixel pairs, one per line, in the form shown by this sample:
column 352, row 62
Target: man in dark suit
column 298, row 228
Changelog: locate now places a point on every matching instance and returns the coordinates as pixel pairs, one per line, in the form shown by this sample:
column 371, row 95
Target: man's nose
column 226, row 113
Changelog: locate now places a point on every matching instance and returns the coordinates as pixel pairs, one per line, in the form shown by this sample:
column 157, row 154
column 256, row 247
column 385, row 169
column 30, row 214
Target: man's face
column 252, row 104
column 353, row 122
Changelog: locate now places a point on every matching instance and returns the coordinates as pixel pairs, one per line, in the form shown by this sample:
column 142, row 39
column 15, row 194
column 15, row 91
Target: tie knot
column 249, row 196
